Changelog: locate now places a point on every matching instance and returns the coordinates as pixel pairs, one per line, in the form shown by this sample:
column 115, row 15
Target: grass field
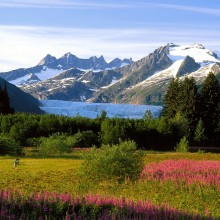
column 60, row 175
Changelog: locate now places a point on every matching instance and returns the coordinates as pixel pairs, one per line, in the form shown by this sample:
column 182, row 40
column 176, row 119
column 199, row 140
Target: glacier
column 196, row 51
column 93, row 110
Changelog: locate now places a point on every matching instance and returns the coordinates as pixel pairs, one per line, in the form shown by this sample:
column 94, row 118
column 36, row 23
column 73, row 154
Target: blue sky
column 30, row 29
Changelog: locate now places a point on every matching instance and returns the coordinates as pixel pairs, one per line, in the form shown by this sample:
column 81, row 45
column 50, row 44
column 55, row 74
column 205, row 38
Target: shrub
column 113, row 162
column 54, row 145
column 183, row 145
column 9, row 146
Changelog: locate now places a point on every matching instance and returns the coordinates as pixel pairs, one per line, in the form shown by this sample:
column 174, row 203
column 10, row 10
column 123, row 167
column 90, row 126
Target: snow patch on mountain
column 196, row 51
column 201, row 74
column 20, row 81
column 85, row 81
column 114, row 80
column 123, row 64
column 47, row 73
column 161, row 75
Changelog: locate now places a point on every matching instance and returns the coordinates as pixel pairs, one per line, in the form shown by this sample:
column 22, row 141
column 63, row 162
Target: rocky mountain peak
column 68, row 56
column 160, row 57
column 128, row 60
column 188, row 66
column 101, row 58
column 47, row 59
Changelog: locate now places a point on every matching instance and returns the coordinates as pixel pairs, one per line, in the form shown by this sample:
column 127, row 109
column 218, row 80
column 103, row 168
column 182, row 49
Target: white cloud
column 62, row 4
column 25, row 46
column 210, row 11
column 103, row 4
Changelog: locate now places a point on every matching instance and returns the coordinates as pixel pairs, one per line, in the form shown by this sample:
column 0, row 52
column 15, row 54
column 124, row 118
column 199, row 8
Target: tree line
column 189, row 112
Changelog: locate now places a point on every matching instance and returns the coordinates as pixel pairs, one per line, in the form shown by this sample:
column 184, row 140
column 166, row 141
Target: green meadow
column 60, row 175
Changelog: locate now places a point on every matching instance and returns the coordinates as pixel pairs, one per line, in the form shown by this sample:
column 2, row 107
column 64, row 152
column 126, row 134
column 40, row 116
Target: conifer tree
column 210, row 104
column 187, row 99
column 1, row 100
column 171, row 102
column 199, row 136
column 5, row 107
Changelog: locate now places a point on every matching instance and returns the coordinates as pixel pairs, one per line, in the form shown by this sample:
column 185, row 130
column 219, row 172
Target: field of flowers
column 171, row 186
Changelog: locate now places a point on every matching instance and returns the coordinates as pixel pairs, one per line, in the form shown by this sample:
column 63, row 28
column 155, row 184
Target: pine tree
column 5, row 107
column 187, row 99
column 210, row 106
column 171, row 102
column 1, row 100
column 199, row 136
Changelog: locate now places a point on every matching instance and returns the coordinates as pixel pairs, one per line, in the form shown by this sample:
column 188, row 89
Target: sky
column 31, row 29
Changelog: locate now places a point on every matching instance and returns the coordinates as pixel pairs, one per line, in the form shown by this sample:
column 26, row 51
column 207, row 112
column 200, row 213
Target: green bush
column 113, row 162
column 9, row 146
column 54, row 145
column 183, row 145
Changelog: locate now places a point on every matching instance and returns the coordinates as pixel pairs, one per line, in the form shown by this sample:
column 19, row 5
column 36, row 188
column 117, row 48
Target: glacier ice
column 92, row 110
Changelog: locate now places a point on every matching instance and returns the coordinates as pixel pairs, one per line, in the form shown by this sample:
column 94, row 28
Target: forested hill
column 19, row 100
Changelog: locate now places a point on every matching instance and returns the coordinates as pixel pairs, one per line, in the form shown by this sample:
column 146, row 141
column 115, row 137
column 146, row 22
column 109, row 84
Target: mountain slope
column 21, row 101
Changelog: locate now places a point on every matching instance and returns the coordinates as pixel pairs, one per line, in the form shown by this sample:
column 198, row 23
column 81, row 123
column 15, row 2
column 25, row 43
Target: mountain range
column 50, row 66
column 121, row 81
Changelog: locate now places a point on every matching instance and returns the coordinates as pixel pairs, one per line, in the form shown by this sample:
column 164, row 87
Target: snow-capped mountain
column 50, row 67
column 147, row 83
column 142, row 82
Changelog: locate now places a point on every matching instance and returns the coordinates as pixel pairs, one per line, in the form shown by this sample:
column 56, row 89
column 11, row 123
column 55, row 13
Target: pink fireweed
column 65, row 207
column 188, row 171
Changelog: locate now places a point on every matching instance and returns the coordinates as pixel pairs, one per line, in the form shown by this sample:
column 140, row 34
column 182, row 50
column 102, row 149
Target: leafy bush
column 183, row 145
column 9, row 146
column 113, row 162
column 54, row 145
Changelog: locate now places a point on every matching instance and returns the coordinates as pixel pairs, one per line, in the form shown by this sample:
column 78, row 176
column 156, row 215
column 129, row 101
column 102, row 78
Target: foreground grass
column 60, row 175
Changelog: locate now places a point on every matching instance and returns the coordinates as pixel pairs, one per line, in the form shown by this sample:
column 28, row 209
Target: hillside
column 21, row 101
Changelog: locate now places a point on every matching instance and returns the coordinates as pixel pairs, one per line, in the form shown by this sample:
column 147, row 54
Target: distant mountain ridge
column 141, row 82
column 50, row 66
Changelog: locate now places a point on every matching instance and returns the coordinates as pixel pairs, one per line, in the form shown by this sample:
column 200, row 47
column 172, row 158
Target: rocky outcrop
column 188, row 66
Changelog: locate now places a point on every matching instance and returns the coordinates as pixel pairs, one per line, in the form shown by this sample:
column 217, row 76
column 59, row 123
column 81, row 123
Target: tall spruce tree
column 188, row 103
column 199, row 136
column 171, row 102
column 5, row 107
column 210, row 104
